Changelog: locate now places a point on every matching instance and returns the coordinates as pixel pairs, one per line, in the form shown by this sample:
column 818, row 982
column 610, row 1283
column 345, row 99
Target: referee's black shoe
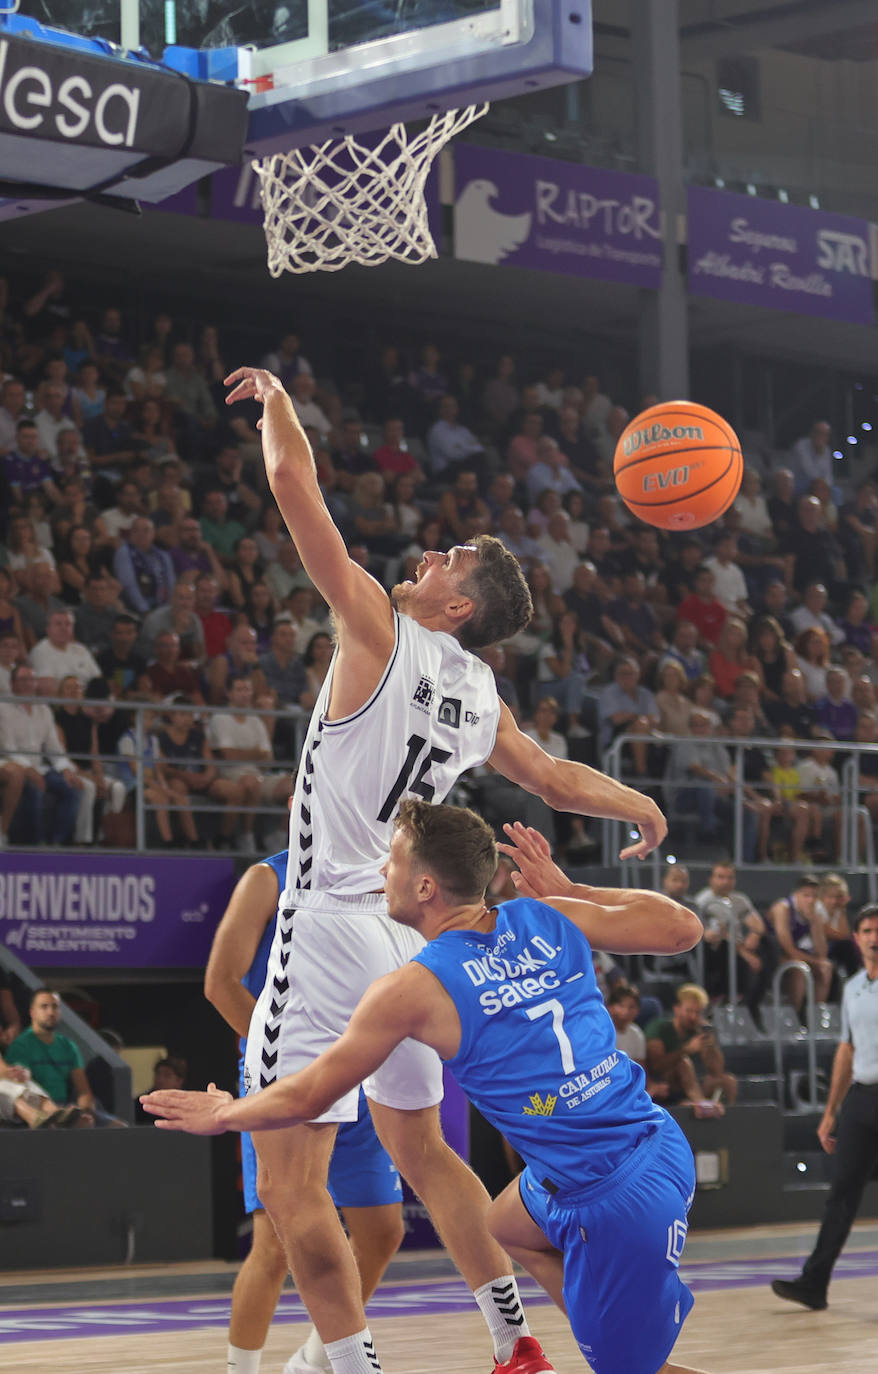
column 795, row 1290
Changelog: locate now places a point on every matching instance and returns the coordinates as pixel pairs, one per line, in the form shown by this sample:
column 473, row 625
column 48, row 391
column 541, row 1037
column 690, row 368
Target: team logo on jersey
column 540, row 1106
column 449, row 712
column 423, row 695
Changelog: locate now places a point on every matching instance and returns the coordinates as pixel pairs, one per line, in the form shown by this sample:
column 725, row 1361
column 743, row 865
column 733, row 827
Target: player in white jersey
column 404, row 710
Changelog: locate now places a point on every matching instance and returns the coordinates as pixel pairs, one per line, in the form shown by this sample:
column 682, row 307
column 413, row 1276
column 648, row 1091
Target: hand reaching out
column 538, row 876
column 196, row 1113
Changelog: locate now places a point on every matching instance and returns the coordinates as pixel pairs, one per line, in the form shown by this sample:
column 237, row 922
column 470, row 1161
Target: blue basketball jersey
column 538, row 1053
column 254, row 978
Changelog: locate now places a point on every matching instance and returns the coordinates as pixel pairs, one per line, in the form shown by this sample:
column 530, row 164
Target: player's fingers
column 523, row 885
column 540, row 842
column 238, row 372
column 242, row 392
column 635, row 851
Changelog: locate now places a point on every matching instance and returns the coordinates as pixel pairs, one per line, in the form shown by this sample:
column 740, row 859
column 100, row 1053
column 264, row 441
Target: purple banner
column 556, row 217
column 112, row 911
column 780, row 257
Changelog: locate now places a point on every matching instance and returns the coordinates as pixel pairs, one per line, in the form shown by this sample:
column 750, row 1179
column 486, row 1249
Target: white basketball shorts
column 326, row 951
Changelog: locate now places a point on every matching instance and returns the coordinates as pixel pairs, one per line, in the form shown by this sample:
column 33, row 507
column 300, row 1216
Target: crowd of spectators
column 142, row 558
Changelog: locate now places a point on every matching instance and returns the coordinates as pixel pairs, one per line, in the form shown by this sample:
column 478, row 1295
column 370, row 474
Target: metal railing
column 857, row 846
column 810, row 1038
column 198, row 803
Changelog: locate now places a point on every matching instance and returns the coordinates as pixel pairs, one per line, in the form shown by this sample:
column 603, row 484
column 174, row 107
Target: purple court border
column 87, row 1320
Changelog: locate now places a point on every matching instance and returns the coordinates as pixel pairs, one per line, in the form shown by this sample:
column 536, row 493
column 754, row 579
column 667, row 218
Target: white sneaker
column 297, row 1364
column 246, row 843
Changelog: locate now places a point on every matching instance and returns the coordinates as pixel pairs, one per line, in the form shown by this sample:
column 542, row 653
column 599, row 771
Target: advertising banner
column 112, row 911
column 522, row 211
column 780, row 257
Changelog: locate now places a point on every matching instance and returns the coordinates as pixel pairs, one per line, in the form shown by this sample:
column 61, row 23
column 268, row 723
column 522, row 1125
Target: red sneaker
column 526, row 1358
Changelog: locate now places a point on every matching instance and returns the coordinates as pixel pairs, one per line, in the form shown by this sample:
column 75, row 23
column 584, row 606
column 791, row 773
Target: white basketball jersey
column 433, row 715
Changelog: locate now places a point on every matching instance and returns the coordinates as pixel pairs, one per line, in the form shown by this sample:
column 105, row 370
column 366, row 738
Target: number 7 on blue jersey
column 554, row 1009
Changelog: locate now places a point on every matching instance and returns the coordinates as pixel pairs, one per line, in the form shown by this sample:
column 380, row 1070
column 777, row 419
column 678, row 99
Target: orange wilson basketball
column 678, row 465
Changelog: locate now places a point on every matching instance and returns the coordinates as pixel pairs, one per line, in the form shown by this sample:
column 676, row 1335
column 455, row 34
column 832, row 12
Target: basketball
column 678, row 465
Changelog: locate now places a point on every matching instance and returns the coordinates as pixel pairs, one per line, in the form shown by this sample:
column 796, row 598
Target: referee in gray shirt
column 854, row 1090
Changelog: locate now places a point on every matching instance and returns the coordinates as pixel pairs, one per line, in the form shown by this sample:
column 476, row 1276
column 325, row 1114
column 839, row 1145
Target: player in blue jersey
column 507, row 996
column 363, row 1181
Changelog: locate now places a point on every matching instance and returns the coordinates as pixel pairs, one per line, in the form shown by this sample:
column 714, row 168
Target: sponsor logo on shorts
column 425, row 691
column 676, row 1240
column 449, row 711
column 540, row 1106
column 659, row 434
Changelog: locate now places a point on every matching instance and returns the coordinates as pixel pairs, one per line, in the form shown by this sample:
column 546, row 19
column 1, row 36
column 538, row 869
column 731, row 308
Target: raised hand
column 538, row 876
column 253, row 383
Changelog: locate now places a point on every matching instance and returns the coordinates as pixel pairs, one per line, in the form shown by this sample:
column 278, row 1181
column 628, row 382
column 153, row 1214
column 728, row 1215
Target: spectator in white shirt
column 752, row 507
column 29, row 738
column 310, row 415
column 623, row 1004
column 50, row 420
column 558, row 553
column 117, row 521
column 60, row 655
column 811, row 456
column 240, row 740
column 730, row 586
column 811, row 615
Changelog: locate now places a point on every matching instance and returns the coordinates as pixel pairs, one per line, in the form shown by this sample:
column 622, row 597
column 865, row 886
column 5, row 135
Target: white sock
column 500, row 1305
column 354, row 1354
column 243, row 1361
column 314, row 1351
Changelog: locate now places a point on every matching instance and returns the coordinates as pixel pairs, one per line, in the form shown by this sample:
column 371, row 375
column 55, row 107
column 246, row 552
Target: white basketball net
column 341, row 202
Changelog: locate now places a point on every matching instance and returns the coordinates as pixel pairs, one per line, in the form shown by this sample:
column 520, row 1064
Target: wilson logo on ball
column 658, row 434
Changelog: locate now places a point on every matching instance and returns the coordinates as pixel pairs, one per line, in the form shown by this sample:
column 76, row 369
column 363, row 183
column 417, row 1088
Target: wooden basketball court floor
column 142, row 1320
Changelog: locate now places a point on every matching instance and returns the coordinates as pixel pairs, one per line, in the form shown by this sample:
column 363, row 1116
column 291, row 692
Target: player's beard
column 401, row 596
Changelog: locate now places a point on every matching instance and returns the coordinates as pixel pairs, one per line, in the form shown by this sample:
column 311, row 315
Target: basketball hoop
column 342, row 201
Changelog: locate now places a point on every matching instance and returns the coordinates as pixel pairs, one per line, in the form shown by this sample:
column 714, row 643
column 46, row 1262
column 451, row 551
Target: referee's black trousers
column 856, row 1155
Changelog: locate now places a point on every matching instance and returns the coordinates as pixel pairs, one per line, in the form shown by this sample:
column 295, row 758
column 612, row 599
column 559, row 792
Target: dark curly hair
column 500, row 595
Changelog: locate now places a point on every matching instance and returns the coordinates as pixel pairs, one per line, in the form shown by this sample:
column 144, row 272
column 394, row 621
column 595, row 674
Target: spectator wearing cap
column 801, row 934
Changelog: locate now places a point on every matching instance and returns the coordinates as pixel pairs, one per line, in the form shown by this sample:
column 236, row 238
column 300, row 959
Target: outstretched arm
column 618, row 920
column 356, row 599
column 399, row 1005
column 568, row 786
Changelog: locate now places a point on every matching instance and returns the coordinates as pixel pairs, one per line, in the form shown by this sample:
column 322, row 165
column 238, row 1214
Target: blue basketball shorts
column 622, row 1240
column 361, row 1172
